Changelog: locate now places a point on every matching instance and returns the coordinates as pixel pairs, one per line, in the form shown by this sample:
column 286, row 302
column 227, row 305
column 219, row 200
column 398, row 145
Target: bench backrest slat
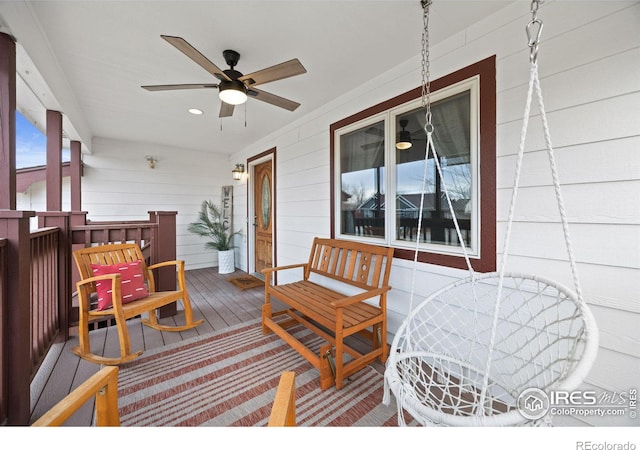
column 343, row 261
column 366, row 266
column 377, row 271
column 335, row 259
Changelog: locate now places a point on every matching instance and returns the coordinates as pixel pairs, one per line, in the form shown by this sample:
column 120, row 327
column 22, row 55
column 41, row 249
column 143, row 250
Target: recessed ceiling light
column 195, row 111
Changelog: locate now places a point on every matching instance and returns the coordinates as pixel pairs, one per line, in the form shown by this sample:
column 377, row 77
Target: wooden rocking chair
column 116, row 255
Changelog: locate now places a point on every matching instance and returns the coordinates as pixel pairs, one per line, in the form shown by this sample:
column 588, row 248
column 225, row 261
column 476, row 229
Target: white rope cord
column 453, row 213
column 514, row 195
column 419, row 231
column 556, row 185
column 431, row 146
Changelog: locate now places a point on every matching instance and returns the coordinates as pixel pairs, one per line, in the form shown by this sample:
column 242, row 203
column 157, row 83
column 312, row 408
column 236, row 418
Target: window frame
column 483, row 259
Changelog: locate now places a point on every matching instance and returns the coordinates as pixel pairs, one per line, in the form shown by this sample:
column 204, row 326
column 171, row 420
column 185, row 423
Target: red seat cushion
column 132, row 282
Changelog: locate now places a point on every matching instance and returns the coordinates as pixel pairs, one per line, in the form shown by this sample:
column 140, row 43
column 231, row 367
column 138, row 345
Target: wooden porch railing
column 44, row 296
column 37, row 285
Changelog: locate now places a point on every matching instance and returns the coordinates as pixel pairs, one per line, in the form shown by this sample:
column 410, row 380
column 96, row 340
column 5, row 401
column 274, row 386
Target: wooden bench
column 321, row 301
column 103, row 386
column 110, row 254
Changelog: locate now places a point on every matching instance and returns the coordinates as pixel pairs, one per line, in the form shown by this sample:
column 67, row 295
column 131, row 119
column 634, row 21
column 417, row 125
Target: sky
column 31, row 144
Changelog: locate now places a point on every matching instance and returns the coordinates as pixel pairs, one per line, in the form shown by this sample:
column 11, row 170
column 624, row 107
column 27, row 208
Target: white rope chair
column 467, row 353
column 458, row 360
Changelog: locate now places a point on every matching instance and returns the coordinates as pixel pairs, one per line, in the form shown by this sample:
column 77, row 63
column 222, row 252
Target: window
column 377, row 186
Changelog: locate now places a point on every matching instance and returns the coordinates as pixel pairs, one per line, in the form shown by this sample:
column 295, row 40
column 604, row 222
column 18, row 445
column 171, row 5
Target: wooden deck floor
column 214, row 299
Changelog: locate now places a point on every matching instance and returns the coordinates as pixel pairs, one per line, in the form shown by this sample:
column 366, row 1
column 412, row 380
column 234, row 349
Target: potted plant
column 210, row 225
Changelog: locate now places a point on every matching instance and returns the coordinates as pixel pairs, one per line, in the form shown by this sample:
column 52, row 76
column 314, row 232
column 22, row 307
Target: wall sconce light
column 237, row 172
column 151, row 160
column 404, row 137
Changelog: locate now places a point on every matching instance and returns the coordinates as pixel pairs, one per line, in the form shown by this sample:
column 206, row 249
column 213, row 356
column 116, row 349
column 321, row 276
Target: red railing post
column 4, row 280
column 163, row 248
column 78, row 218
column 61, row 220
column 14, row 225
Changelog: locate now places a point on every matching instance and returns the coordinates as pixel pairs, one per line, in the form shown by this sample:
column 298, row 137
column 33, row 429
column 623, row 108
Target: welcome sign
column 227, row 207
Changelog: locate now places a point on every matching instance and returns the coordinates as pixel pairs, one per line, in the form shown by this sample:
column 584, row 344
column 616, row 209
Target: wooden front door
column 263, row 220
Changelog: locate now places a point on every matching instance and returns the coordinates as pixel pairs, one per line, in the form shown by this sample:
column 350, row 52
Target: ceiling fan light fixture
column 233, row 92
column 404, row 137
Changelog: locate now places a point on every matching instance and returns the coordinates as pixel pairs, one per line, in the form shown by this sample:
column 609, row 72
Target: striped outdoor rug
column 229, row 378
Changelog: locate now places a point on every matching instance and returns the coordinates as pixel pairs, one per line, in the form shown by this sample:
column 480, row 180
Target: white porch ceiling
column 95, row 55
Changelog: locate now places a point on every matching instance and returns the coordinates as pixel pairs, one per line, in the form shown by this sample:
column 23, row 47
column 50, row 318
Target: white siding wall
column 119, row 185
column 590, row 74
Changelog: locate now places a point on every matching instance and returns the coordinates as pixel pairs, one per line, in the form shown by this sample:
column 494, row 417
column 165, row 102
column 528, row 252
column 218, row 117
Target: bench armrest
column 267, row 272
column 359, row 297
column 275, row 269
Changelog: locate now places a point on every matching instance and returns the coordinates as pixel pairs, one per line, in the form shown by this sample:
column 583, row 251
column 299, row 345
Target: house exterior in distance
column 589, row 65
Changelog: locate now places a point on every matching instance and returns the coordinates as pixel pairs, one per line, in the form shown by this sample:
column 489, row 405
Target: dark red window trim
column 486, row 69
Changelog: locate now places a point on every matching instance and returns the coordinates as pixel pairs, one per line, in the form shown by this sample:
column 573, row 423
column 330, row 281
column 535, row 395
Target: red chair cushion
column 132, row 285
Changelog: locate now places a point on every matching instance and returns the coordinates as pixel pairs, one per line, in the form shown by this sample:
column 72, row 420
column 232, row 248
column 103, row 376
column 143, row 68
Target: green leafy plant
column 210, row 225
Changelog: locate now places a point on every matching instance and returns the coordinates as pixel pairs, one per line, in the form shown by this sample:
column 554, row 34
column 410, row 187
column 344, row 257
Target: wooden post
column 15, row 226
column 7, row 122
column 54, row 161
column 77, row 218
column 76, row 176
column 61, row 220
column 164, row 249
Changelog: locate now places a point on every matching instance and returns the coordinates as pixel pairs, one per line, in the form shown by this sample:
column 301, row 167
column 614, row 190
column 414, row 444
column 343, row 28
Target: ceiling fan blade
column 173, row 87
column 226, row 110
column 196, row 56
column 375, row 131
column 273, row 73
column 372, row 145
column 273, row 99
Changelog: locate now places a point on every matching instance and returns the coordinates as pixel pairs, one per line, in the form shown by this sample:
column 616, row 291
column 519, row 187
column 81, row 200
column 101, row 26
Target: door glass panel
column 266, row 201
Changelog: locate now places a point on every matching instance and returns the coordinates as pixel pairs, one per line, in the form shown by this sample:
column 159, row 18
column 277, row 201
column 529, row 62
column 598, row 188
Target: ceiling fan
column 234, row 87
